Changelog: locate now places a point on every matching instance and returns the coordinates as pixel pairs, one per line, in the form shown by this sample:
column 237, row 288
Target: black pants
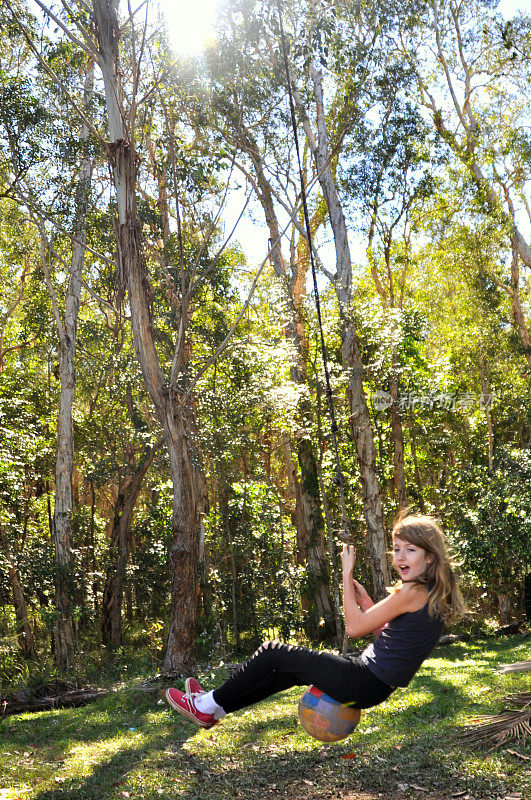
column 277, row 666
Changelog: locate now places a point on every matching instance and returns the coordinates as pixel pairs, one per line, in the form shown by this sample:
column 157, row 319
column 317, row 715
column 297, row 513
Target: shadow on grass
column 365, row 762
column 60, row 728
column 325, row 771
column 408, row 739
column 370, row 763
column 56, row 736
column 104, row 781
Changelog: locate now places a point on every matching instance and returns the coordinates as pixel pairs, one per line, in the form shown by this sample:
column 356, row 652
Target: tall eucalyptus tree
column 390, row 176
column 246, row 101
column 348, row 39
column 26, row 187
column 188, row 502
column 472, row 73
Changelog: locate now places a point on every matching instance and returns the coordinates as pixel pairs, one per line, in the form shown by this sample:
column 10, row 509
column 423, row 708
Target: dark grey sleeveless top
column 402, row 646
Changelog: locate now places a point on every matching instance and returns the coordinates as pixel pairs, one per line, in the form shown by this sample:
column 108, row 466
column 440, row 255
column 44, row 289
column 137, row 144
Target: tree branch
column 444, row 64
column 81, row 27
column 54, row 77
column 90, row 47
column 49, row 285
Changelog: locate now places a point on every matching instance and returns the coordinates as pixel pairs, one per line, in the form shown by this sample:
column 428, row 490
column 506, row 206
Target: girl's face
column 410, row 560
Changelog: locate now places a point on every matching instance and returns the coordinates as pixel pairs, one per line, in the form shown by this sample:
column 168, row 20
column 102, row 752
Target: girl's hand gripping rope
column 348, row 559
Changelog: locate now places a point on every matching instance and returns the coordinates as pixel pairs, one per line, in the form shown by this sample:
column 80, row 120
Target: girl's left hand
column 348, row 558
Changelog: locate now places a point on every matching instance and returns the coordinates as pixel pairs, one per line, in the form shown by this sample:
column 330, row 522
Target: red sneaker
column 191, row 686
column 184, row 704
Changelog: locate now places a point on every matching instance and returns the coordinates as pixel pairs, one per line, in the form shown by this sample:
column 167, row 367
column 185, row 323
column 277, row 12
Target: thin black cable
column 339, row 478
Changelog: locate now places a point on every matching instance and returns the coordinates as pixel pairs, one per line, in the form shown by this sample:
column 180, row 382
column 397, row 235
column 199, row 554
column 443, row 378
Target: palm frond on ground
column 495, row 730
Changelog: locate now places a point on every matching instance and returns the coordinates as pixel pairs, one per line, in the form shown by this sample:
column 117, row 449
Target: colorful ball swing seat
column 324, row 718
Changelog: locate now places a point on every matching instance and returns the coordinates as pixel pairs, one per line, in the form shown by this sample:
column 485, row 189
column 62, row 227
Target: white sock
column 205, row 702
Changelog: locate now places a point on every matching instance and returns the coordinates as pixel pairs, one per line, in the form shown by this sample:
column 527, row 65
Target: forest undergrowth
column 130, row 744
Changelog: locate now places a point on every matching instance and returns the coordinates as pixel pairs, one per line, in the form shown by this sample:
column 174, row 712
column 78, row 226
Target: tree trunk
column 397, row 433
column 311, row 539
column 485, row 386
column 72, row 699
column 128, row 491
column 332, row 556
column 180, row 653
column 24, row 632
column 229, row 546
column 516, row 307
column 92, row 544
column 418, row 480
column 316, row 594
column 362, row 433
column 233, row 588
column 62, row 527
column 504, row 607
column 186, row 526
column 360, row 421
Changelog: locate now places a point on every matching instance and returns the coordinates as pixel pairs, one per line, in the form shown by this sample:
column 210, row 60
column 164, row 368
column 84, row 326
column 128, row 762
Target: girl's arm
column 364, row 601
column 359, row 623
column 362, row 596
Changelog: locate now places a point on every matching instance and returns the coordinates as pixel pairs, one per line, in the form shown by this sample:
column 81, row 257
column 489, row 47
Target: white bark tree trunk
column 62, row 521
column 516, row 307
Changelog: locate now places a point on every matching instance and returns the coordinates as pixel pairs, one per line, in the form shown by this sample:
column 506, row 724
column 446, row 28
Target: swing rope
column 339, row 478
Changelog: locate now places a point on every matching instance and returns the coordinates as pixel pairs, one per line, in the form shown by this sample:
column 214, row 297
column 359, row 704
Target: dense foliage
column 433, row 181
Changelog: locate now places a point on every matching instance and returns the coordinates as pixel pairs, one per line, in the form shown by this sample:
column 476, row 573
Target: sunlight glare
column 190, row 23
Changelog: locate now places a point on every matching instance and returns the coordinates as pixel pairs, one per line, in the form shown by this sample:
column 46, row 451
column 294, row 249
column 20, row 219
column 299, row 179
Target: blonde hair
column 444, row 596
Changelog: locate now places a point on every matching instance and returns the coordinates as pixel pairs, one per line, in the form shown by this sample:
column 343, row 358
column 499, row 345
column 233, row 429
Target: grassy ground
column 131, row 745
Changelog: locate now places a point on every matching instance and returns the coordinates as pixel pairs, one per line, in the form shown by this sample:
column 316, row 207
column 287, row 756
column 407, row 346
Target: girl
column 407, row 624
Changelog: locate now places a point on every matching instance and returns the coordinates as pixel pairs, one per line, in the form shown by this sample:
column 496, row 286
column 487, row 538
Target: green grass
column 129, row 744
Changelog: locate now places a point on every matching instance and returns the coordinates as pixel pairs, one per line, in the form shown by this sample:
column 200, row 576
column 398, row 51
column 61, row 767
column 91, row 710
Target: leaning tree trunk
column 128, row 491
column 360, row 421
column 24, row 632
column 317, row 599
column 132, row 269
